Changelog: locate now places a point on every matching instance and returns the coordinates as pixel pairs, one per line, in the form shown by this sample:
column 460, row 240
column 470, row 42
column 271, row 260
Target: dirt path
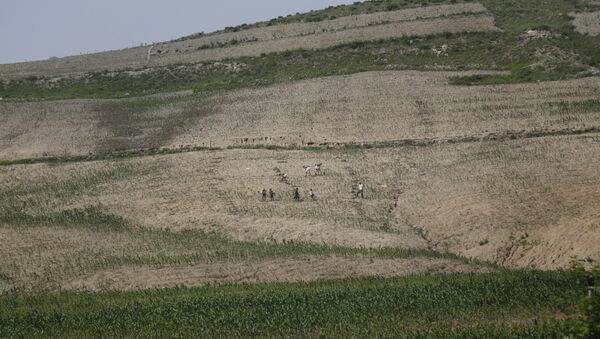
column 277, row 270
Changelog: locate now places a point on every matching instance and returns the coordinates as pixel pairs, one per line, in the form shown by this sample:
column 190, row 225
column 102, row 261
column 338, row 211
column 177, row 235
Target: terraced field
column 254, row 42
column 366, row 107
column 507, row 202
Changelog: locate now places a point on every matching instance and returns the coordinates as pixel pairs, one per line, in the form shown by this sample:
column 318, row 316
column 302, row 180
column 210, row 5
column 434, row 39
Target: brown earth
column 36, row 257
column 523, row 203
column 365, row 107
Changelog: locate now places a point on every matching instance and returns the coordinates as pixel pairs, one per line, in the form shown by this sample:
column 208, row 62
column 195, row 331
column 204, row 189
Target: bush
column 587, row 325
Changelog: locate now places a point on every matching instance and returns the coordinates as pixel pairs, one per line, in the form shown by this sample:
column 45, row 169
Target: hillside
column 256, row 41
column 366, row 107
column 474, row 127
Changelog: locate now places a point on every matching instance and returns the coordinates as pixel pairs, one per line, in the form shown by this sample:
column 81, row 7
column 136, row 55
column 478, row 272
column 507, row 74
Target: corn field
column 455, row 305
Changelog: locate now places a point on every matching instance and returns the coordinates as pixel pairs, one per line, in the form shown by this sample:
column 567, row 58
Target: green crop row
column 194, row 246
column 500, row 304
column 90, row 217
column 268, row 69
column 115, row 155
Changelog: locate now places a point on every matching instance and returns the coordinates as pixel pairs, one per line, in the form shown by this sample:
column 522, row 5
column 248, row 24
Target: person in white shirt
column 264, row 194
column 360, row 189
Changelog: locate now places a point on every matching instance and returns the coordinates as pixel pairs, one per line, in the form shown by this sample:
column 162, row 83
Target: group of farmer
column 264, row 194
column 296, row 193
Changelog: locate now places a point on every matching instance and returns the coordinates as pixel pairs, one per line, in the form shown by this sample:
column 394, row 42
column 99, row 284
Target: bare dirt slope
column 366, row 107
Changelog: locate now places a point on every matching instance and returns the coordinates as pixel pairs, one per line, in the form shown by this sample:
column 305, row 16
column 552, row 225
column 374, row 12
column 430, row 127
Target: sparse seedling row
column 373, row 108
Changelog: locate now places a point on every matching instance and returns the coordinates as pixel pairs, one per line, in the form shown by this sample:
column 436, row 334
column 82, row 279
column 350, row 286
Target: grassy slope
column 457, row 305
column 565, row 55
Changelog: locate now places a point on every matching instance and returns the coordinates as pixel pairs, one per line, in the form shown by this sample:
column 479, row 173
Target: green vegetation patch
column 505, row 303
column 268, row 69
column 118, row 244
column 585, row 106
column 193, row 247
column 4, row 276
column 91, row 218
column 115, row 155
column 509, row 13
column 163, row 248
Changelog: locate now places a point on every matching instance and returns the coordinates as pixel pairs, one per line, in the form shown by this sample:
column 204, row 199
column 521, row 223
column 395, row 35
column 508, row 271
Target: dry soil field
column 365, row 107
column 587, row 23
column 471, row 17
column 519, row 203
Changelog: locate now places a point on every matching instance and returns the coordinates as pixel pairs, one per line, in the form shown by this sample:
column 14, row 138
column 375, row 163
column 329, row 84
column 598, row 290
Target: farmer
column 271, row 194
column 396, row 197
column 360, row 187
column 307, row 171
column 296, row 194
column 311, row 194
column 264, row 194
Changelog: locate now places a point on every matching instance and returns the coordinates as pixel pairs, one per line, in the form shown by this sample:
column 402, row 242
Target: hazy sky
column 39, row 29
